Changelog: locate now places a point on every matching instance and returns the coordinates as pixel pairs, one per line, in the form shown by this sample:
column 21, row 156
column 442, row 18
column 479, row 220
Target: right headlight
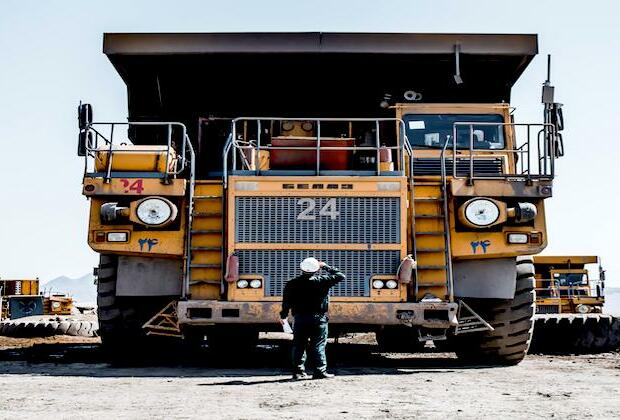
column 155, row 211
column 481, row 212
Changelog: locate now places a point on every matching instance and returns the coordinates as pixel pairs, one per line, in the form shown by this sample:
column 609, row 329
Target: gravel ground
column 68, row 378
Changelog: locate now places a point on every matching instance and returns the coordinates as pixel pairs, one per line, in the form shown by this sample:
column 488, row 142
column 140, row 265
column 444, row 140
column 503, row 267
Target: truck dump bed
column 181, row 76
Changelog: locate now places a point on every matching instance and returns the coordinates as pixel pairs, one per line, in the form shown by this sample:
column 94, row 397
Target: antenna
column 548, row 90
column 457, row 71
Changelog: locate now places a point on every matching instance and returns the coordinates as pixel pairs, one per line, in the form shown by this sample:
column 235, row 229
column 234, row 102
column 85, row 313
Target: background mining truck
column 394, row 157
column 21, row 298
column 570, row 294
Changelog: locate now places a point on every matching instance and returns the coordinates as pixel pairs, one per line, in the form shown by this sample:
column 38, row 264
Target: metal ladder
column 206, row 240
column 431, row 240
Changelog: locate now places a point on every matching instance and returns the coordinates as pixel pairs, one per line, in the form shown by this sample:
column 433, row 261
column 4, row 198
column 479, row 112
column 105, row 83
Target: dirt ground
column 69, row 378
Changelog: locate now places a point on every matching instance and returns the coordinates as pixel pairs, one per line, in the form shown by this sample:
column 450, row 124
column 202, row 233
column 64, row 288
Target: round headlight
column 255, row 284
column 242, row 284
column 377, row 284
column 287, row 125
column 391, row 284
column 583, row 309
column 156, row 211
column 481, row 212
column 55, row 305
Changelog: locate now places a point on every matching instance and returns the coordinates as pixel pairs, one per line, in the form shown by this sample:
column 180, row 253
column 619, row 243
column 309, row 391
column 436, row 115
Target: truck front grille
column 482, row 167
column 547, row 309
column 279, row 266
column 361, row 220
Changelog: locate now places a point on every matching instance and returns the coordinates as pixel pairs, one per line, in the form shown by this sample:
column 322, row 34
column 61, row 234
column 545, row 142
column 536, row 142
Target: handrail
column 546, row 155
column 446, row 220
column 190, row 218
column 91, row 149
column 232, row 142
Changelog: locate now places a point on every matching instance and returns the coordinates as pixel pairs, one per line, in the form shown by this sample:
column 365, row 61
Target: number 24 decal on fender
column 129, row 186
column 329, row 209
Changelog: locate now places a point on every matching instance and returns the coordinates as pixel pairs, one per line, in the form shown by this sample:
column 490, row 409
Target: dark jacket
column 308, row 294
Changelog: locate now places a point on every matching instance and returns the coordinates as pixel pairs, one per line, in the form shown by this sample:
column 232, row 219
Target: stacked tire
column 47, row 326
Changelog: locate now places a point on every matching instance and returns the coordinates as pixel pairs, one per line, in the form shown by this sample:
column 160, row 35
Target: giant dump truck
column 394, row 157
column 570, row 298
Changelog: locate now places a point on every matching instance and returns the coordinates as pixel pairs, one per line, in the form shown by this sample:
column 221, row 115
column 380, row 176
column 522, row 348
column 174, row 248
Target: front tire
column 512, row 321
column 121, row 318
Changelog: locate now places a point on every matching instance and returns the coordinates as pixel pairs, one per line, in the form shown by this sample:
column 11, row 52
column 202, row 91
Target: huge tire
column 576, row 333
column 512, row 321
column 398, row 339
column 121, row 318
column 47, row 326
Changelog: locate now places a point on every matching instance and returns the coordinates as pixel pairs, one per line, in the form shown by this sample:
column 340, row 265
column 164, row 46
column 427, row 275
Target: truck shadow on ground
column 269, row 359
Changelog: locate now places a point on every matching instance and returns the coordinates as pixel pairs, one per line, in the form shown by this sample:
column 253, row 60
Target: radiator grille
column 279, row 266
column 365, row 220
column 547, row 309
column 482, row 167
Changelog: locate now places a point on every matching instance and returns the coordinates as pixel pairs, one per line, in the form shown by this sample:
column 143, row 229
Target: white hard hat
column 310, row 265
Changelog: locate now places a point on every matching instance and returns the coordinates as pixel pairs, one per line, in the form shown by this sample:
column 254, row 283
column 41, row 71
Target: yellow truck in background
column 570, row 298
column 394, row 157
column 21, row 298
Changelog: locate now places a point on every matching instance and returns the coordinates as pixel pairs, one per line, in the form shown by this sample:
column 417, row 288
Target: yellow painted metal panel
column 140, row 242
column 133, row 186
column 136, row 158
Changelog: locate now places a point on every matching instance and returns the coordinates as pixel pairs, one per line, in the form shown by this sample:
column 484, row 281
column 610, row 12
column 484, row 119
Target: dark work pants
column 310, row 334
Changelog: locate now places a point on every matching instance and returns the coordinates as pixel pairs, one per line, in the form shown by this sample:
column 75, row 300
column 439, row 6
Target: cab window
column 433, row 130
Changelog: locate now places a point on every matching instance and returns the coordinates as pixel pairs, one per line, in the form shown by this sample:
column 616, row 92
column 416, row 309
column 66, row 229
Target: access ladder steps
column 207, row 240
column 430, row 240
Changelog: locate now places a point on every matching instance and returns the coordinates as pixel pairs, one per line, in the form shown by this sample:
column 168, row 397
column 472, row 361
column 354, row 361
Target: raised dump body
column 392, row 156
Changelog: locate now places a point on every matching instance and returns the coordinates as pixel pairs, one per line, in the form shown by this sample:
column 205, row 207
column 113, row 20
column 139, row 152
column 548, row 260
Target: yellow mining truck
column 24, row 296
column 569, row 306
column 21, row 298
column 394, row 157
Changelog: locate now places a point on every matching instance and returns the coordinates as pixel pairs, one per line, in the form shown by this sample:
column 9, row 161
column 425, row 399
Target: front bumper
column 424, row 314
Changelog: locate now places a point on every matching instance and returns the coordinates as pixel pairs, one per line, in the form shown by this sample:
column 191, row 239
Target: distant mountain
column 83, row 289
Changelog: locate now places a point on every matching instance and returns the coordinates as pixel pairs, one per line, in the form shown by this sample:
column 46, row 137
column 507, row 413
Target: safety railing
column 534, row 151
column 96, row 141
column 552, row 289
column 236, row 146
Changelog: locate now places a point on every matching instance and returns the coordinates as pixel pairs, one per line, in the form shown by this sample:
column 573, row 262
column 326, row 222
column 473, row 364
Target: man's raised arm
column 333, row 276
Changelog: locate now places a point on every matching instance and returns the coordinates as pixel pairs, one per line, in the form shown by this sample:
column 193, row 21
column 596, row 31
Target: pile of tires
column 47, row 326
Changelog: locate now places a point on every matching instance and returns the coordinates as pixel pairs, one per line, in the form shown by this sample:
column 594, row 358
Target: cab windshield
column 571, row 279
column 433, row 130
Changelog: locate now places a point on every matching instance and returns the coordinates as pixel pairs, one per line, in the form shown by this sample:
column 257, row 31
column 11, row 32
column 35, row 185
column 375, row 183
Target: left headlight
column 481, row 212
column 156, row 211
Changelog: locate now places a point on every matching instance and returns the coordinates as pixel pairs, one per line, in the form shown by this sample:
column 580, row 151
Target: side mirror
column 85, row 142
column 85, row 115
column 557, row 116
column 559, row 145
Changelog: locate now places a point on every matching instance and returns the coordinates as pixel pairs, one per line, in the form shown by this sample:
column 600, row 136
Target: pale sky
column 51, row 58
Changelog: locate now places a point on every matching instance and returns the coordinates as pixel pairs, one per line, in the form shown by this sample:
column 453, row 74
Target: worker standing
column 307, row 297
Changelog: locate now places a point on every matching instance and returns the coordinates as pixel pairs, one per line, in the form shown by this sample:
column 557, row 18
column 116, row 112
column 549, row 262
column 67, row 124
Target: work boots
column 322, row 375
column 300, row 376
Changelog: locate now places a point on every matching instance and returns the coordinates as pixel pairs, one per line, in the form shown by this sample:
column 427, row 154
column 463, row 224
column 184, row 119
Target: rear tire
column 512, row 321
